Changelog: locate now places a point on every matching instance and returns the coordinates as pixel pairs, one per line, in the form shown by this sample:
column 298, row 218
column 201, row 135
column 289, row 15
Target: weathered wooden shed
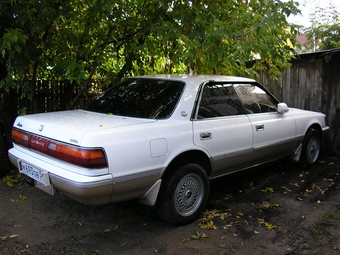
column 312, row 83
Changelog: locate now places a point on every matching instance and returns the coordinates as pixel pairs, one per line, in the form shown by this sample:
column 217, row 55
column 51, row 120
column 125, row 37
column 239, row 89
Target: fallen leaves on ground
column 108, row 230
column 4, row 238
column 266, row 224
column 268, row 189
column 184, row 240
column 9, row 181
column 198, row 235
column 266, row 204
column 207, row 221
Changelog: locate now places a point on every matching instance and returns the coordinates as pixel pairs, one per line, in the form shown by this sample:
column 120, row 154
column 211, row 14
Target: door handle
column 259, row 127
column 205, row 136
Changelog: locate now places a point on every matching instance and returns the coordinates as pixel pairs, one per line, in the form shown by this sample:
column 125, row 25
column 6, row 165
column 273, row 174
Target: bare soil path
column 278, row 209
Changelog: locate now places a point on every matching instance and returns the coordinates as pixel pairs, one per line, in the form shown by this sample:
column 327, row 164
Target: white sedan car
column 161, row 139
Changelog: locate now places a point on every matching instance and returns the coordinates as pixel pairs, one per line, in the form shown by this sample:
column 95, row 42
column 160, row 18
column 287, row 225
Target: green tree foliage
column 324, row 32
column 103, row 41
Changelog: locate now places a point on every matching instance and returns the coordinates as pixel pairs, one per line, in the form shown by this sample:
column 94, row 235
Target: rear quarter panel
column 132, row 163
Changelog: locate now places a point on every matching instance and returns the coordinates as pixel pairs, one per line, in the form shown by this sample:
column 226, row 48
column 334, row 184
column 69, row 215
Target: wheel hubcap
column 313, row 150
column 189, row 194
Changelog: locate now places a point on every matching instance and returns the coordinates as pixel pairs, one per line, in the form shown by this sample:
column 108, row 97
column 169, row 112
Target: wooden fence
column 312, row 83
column 48, row 96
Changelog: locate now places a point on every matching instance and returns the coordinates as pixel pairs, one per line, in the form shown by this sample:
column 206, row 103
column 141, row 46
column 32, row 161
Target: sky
column 306, row 7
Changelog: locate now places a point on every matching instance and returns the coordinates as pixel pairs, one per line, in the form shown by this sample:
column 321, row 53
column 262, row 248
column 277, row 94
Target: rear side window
column 140, row 97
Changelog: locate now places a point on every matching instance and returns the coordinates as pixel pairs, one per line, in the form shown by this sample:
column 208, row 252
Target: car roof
column 197, row 78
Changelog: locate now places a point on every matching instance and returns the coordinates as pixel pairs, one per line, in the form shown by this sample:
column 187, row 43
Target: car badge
column 19, row 124
column 41, row 128
column 184, row 113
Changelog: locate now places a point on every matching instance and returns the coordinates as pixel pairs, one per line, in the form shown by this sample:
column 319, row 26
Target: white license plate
column 35, row 173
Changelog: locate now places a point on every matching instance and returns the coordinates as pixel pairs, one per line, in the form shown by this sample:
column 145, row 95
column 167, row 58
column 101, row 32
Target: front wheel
column 311, row 147
column 183, row 194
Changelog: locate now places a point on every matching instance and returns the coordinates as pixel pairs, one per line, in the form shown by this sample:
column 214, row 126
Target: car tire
column 311, row 148
column 183, row 195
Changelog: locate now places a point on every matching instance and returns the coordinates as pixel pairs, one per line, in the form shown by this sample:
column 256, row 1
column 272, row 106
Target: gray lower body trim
column 90, row 193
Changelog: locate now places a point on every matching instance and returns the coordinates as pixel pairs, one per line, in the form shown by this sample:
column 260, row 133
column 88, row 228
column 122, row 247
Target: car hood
column 70, row 126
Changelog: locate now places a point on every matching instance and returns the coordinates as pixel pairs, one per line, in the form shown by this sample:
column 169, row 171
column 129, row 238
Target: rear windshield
column 141, row 98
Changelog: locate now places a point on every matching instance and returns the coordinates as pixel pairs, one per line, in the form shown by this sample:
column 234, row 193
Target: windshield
column 140, row 97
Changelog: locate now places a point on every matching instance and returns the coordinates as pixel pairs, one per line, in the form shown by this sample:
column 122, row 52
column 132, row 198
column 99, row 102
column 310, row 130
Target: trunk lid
column 70, row 126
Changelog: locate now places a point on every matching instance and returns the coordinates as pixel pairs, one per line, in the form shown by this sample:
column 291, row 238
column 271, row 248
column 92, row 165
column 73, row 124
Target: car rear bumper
column 90, row 190
column 91, row 193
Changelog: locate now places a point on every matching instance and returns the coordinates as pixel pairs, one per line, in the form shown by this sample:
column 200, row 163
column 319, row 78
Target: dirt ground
column 273, row 210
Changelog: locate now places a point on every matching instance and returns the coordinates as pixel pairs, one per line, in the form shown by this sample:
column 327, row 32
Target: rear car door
column 273, row 133
column 222, row 128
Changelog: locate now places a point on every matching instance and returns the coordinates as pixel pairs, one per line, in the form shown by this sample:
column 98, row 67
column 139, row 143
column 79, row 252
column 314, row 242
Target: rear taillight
column 84, row 157
column 19, row 137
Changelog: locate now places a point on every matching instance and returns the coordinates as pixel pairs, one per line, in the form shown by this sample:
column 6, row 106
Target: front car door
column 273, row 133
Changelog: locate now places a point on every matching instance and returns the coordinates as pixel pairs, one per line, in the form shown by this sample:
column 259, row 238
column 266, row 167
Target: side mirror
column 282, row 108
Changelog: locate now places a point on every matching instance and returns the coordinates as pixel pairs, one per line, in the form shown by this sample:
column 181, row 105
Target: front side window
column 255, row 99
column 140, row 97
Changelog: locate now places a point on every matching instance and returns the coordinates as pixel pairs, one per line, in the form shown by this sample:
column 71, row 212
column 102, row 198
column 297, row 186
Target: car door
column 222, row 128
column 273, row 133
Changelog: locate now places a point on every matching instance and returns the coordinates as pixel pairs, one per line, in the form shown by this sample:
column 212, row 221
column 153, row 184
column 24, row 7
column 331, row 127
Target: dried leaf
column 235, row 223
column 207, row 225
column 224, row 215
column 13, row 236
column 4, row 238
column 108, row 230
column 240, row 214
column 269, row 226
column 265, row 204
column 22, row 197
column 198, row 235
column 184, row 240
column 268, row 189
column 228, row 196
column 260, row 220
column 284, row 187
column 9, row 180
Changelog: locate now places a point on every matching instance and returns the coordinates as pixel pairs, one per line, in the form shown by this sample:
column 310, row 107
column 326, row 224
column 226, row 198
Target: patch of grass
column 328, row 219
column 315, row 233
